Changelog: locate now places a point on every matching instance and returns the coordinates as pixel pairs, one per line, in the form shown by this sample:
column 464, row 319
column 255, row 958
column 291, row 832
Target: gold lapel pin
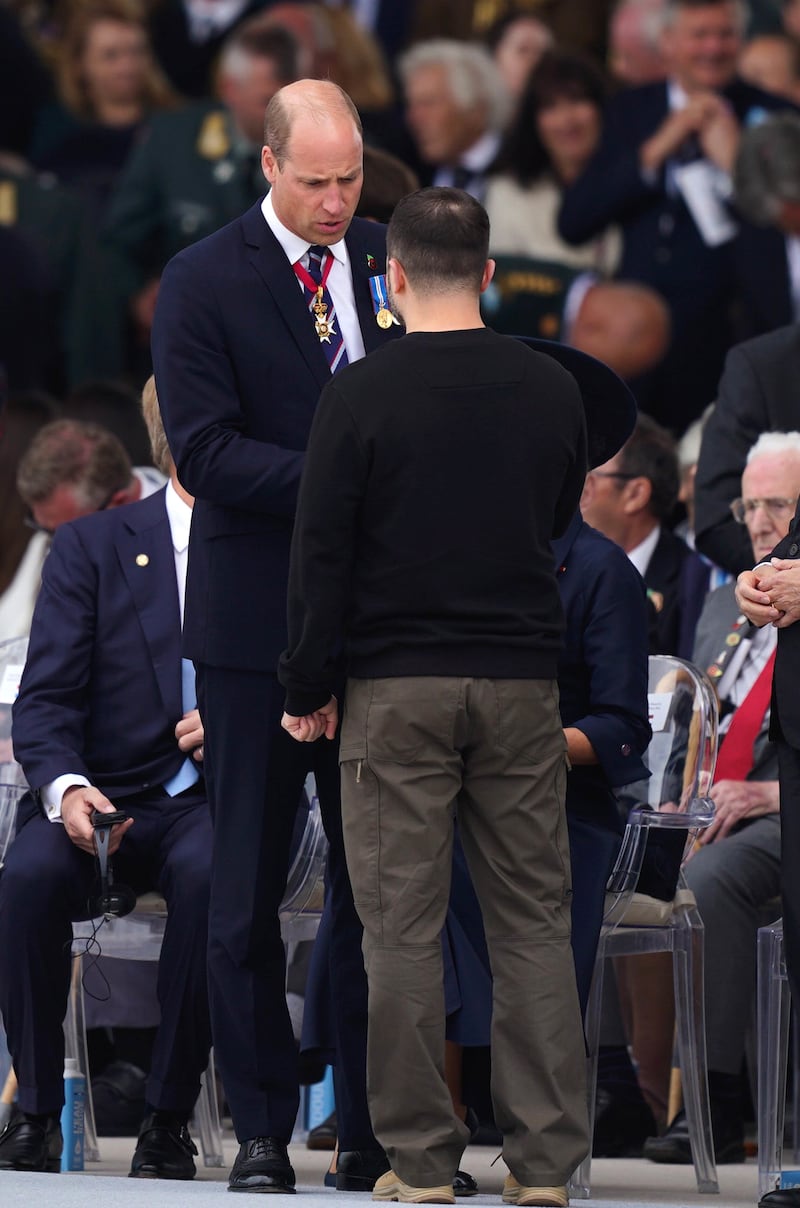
column 142, row 560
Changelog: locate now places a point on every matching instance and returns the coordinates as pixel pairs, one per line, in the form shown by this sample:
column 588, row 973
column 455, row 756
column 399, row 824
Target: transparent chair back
column 680, row 757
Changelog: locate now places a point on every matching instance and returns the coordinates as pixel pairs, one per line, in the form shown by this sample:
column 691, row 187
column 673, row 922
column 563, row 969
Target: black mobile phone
column 100, row 820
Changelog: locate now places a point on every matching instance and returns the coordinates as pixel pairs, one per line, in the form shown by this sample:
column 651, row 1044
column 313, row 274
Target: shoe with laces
column 391, row 1187
column 262, row 1164
column 533, row 1197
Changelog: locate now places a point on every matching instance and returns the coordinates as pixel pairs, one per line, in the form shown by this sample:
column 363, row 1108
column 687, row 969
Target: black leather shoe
column 674, row 1147
column 783, row 1197
column 262, row 1164
column 620, row 1127
column 27, row 1143
column 357, row 1169
column 464, row 1184
column 164, row 1149
column 118, row 1099
column 324, row 1135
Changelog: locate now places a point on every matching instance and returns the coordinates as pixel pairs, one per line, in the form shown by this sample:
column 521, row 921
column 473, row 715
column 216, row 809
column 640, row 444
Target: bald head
column 316, row 101
column 313, row 159
column 625, row 324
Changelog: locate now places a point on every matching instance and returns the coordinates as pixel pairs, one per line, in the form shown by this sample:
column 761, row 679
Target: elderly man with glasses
column 736, row 872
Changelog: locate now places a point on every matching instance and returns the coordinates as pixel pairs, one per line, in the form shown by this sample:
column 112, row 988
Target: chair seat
column 644, row 911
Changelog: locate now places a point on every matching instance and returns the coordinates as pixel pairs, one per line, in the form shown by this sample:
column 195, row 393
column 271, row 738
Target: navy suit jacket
column 757, row 393
column 101, row 690
column 239, row 371
column 602, row 669
column 677, row 582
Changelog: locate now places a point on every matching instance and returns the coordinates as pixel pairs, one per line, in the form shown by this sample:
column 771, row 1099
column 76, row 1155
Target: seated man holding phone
column 105, row 722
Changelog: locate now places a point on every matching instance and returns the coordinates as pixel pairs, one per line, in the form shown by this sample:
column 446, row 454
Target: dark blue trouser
column 255, row 774
column 47, row 883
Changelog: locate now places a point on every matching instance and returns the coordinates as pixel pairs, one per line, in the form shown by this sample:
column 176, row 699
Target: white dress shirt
column 179, row 515
column 340, row 281
column 641, row 554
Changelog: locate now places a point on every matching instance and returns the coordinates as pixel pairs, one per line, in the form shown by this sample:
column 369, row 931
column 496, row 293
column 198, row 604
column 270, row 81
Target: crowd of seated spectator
column 640, row 163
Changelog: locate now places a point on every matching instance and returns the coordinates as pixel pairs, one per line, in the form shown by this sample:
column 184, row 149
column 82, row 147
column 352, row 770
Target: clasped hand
column 313, row 725
column 770, row 594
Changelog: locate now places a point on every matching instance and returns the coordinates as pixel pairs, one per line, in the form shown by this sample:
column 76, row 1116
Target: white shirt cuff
column 52, row 794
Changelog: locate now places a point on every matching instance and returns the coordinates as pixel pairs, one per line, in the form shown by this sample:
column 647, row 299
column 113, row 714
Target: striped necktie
column 320, row 305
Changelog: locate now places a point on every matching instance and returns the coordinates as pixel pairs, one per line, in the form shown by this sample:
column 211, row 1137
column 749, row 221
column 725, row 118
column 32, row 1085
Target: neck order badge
column 315, row 283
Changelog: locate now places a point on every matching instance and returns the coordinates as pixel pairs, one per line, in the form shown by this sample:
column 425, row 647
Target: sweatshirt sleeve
column 323, row 555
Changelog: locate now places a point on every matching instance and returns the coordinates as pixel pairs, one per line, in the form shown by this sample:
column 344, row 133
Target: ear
column 119, row 498
column 636, row 495
column 488, row 273
column 269, row 164
column 395, row 275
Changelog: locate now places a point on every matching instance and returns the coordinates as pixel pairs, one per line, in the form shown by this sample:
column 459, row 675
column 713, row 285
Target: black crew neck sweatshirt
column 438, row 470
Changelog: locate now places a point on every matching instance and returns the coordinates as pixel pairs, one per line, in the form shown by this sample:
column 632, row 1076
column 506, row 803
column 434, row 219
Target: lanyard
column 308, row 281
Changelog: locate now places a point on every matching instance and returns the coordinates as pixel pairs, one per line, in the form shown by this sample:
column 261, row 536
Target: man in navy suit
column 242, row 347
column 102, row 722
column 662, row 172
column 630, row 499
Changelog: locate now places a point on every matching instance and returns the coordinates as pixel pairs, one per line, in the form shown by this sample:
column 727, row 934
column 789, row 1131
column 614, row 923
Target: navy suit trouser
column 47, row 883
column 254, row 775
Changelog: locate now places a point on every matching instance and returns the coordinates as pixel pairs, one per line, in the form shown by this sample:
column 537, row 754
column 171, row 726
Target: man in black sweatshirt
column 438, row 470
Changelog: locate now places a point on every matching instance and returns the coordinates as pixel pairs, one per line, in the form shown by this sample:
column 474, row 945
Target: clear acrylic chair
column 773, row 1016
column 681, row 758
column 138, row 936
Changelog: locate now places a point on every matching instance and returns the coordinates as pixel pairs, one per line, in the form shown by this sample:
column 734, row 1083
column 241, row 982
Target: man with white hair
column 456, row 107
column 736, row 872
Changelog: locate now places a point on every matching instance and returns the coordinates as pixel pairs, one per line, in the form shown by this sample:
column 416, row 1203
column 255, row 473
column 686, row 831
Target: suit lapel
column 144, row 549
column 366, row 261
column 269, row 260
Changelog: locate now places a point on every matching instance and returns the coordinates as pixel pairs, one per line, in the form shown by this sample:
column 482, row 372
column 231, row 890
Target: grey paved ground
column 616, row 1184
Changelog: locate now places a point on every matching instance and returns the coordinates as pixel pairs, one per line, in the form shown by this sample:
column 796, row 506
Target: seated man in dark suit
column 105, row 720
column 630, row 499
column 662, row 172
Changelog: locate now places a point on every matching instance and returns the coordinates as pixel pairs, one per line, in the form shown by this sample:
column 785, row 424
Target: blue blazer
column 239, row 371
column 602, row 669
column 101, row 690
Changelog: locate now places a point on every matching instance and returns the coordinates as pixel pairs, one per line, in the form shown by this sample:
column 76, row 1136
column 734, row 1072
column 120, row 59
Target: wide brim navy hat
column 609, row 404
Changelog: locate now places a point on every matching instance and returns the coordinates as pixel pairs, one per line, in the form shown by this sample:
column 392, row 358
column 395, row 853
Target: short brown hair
column 279, row 116
column 68, row 452
column 441, row 238
column 162, row 458
column 651, row 452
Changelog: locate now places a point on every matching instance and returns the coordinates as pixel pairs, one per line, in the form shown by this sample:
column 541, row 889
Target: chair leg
column 773, row 1046
column 690, row 1021
column 206, row 1118
column 580, row 1182
column 75, row 1046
